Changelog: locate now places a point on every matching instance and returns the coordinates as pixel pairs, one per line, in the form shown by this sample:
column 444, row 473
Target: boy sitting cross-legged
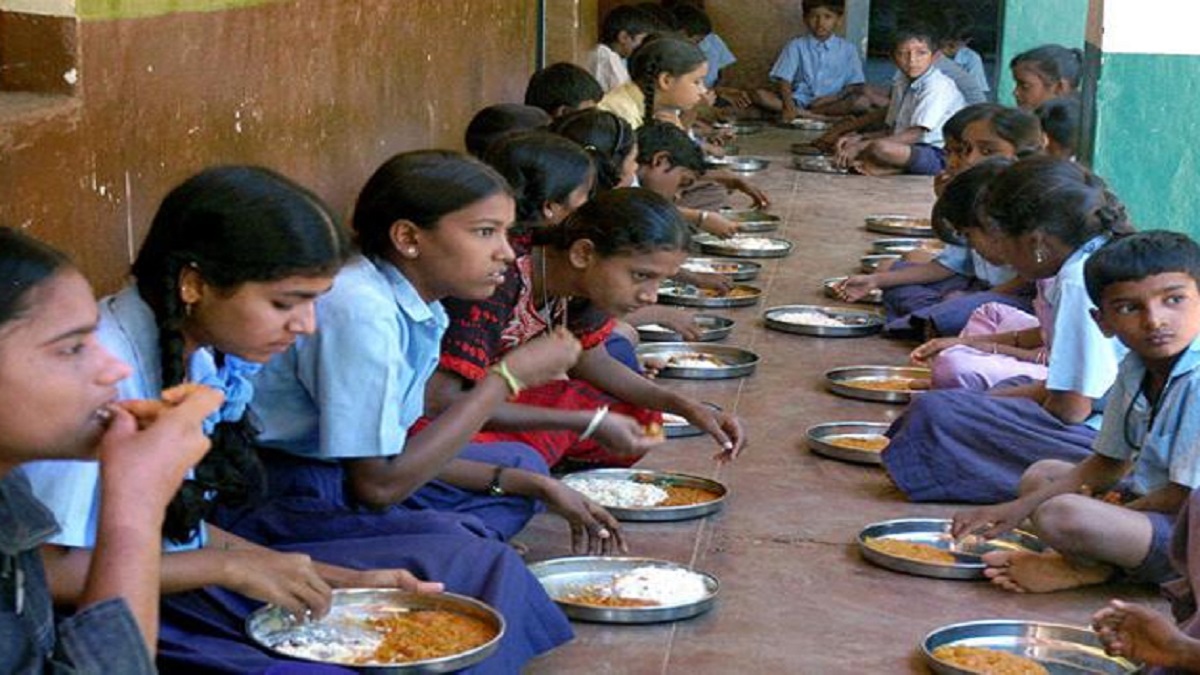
column 1145, row 290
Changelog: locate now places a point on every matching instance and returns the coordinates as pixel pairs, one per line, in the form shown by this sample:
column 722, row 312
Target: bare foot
column 1025, row 572
column 1140, row 633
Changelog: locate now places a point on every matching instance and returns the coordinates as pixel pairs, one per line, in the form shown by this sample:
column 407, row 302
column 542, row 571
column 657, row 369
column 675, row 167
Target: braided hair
column 541, row 167
column 231, row 225
column 622, row 222
column 1057, row 197
column 661, row 55
column 1053, row 64
column 603, row 135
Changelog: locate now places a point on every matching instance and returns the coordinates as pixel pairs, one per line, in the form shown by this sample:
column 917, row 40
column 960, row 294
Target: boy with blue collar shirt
column 922, row 100
column 813, row 69
column 1145, row 290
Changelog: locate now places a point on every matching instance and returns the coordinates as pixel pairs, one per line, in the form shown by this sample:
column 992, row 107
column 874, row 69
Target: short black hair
column 629, row 19
column 1059, row 118
column 958, row 209
column 498, row 120
column 562, row 85
column 915, row 31
column 657, row 136
column 956, row 24
column 692, row 21
column 1137, row 256
column 838, row 6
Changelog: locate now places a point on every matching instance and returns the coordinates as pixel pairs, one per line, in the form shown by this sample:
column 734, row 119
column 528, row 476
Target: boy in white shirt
column 622, row 31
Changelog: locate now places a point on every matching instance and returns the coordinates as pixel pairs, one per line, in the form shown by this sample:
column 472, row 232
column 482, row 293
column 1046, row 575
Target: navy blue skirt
column 956, row 445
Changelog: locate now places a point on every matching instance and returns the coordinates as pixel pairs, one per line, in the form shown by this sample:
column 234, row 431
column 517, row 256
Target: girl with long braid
column 227, row 279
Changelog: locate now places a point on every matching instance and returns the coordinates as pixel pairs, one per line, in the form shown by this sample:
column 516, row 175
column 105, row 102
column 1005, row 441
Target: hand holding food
column 989, row 521
column 855, row 288
column 923, row 354
column 624, row 435
column 544, row 358
column 593, row 529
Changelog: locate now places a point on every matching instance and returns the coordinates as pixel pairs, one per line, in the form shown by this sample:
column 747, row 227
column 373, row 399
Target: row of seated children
column 352, row 498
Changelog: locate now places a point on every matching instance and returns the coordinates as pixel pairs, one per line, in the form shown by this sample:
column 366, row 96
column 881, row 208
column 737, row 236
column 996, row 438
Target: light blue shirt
column 719, row 57
column 967, row 262
column 354, row 387
column 925, row 102
column 972, row 62
column 71, row 489
column 817, row 68
column 1170, row 442
column 967, row 84
column 1081, row 360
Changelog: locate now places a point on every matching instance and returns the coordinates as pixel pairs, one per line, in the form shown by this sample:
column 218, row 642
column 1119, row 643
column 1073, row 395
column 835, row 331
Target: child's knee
column 1042, row 472
column 1066, row 518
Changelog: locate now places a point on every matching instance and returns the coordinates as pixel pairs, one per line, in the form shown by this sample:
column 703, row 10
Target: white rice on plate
column 621, row 494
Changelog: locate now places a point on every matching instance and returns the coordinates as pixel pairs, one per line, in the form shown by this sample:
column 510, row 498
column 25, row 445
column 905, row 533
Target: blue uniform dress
column 718, row 55
column 945, row 306
column 203, row 631
column 1162, row 441
column 956, row 445
column 817, row 68
column 972, row 62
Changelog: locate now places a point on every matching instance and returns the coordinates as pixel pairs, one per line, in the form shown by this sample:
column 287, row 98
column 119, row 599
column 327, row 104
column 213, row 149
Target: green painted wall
column 1029, row 23
column 1146, row 134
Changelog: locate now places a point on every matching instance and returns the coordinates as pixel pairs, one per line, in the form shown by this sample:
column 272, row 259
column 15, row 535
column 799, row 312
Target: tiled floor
column 795, row 596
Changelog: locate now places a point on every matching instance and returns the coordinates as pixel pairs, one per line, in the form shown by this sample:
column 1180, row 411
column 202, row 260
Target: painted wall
column 322, row 91
column 1029, row 23
column 1145, row 119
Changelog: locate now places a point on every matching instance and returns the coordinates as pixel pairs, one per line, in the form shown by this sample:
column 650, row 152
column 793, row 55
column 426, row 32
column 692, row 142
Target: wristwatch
column 493, row 487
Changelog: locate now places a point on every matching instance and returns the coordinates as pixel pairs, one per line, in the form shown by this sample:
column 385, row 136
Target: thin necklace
column 562, row 302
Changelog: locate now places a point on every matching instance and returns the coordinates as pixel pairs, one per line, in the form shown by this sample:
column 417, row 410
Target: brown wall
column 322, row 91
column 755, row 31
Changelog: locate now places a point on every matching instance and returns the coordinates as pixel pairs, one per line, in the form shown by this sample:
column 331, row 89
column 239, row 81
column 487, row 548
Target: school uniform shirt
column 719, row 57
column 1170, row 438
column 967, row 262
column 482, row 332
column 972, row 62
column 1081, row 359
column 967, row 83
column 607, row 66
column 102, row 638
column 353, row 388
column 925, row 102
column 817, row 68
column 71, row 489
column 627, row 102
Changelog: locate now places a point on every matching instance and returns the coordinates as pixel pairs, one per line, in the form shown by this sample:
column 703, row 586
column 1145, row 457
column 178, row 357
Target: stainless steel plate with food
column 675, row 426
column 906, row 244
column 909, row 226
column 887, row 384
column 806, row 124
column 687, row 295
column 924, row 547
column 385, row 631
column 739, row 163
column 823, row 321
column 871, row 263
column 858, row 442
column 744, row 246
column 875, row 297
column 626, row 590
column 746, row 128
column 643, row 495
column 712, row 328
column 806, row 150
column 736, row 270
column 1058, row 648
column 816, row 164
column 752, row 220
column 698, row 360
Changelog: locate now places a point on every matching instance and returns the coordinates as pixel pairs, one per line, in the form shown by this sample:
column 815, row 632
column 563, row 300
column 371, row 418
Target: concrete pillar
column 1145, row 108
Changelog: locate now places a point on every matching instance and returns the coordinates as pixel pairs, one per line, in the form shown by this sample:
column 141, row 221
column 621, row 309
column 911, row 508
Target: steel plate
column 906, row 244
column 739, row 163
column 712, row 329
column 816, row 164
column 563, row 576
column 936, row 532
column 838, row 380
column 711, row 245
column 875, row 297
column 752, row 221
column 736, row 270
column 820, row 439
column 686, row 295
column 741, row 362
column 858, row 322
column 908, row 226
column 662, row 479
column 682, row 428
column 1061, row 649
column 871, row 263
column 746, row 128
column 806, row 150
column 806, row 124
column 270, row 626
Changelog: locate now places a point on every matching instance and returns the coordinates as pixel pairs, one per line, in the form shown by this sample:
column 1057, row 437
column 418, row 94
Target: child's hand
column 544, row 358
column 593, row 529
column 725, row 429
column 679, row 321
column 716, row 224
column 1139, row 633
column 393, row 578
column 624, row 435
column 855, row 288
column 989, row 521
column 711, row 281
column 923, row 354
column 289, row 580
